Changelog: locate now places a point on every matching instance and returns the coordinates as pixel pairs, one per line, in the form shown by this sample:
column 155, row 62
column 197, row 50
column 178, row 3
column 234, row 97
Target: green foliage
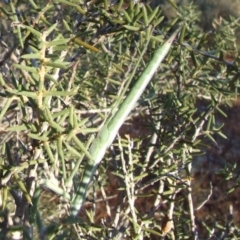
column 65, row 67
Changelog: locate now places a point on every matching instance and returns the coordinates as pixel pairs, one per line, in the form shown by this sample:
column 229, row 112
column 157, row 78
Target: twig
column 207, row 199
column 191, row 211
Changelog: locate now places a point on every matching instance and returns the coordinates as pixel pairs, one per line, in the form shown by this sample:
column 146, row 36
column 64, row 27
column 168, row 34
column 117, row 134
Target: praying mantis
column 110, row 128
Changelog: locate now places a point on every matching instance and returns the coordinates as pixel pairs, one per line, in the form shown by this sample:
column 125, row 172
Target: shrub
column 65, row 70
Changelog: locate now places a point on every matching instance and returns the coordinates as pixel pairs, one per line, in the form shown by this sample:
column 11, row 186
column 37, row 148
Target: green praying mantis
column 110, row 128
